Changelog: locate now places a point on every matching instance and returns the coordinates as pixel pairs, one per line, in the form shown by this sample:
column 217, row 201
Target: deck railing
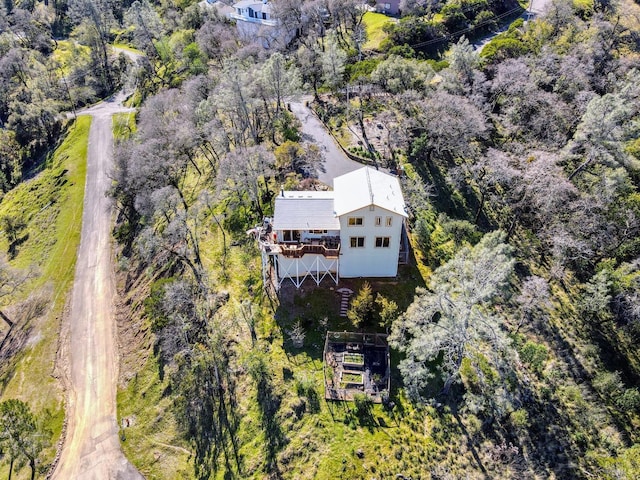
column 298, row 250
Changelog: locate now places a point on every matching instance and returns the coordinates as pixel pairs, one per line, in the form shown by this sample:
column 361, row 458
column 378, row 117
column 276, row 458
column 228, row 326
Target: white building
column 356, row 230
column 255, row 22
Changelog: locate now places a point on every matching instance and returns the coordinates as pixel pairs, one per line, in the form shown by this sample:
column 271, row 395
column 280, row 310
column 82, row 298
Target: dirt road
column 92, row 449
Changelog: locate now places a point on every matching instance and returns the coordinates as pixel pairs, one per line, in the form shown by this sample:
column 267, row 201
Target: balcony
column 329, row 247
column 261, row 21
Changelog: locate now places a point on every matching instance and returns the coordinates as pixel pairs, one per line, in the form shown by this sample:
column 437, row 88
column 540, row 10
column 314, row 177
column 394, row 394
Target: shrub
column 608, row 383
column 363, row 405
column 519, row 418
column 153, row 308
column 629, row 400
column 534, row 355
column 503, row 48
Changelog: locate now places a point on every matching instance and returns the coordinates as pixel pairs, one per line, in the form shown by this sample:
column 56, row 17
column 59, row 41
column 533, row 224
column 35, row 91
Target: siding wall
column 370, row 261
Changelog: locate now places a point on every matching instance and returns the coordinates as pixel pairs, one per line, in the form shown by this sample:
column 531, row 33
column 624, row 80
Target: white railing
column 261, row 21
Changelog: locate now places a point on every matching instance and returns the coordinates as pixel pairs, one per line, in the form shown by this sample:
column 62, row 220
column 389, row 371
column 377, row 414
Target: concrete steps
column 345, row 296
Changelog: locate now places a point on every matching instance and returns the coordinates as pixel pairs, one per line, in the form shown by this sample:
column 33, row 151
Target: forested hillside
column 514, row 328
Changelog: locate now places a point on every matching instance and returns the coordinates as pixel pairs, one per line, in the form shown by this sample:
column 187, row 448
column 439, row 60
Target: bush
column 608, row 383
column 500, row 49
column 485, row 20
column 363, row 405
column 534, row 355
column 629, row 400
column 519, row 418
column 153, row 304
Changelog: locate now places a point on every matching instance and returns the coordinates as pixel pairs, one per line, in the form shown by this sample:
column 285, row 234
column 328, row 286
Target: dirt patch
column 135, row 340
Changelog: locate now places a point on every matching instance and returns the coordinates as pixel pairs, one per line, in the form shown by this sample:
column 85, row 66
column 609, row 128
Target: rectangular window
column 356, row 221
column 382, row 242
column 291, row 235
column 318, row 232
column 388, row 222
column 356, row 242
column 378, row 221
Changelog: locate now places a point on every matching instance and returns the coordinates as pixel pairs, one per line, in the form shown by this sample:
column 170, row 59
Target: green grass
column 128, row 48
column 51, row 204
column 352, row 378
column 124, row 125
column 373, row 23
column 152, row 441
column 66, row 54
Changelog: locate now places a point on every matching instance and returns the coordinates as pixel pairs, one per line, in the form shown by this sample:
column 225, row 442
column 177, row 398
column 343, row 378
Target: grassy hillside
column 540, row 375
column 374, row 22
column 50, row 203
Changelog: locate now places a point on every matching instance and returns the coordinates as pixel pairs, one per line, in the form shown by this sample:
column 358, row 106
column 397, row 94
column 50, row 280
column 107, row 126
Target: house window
column 356, row 221
column 387, row 6
column 318, row 232
column 389, row 221
column 356, row 242
column 264, row 16
column 382, row 242
column 291, row 235
column 378, row 221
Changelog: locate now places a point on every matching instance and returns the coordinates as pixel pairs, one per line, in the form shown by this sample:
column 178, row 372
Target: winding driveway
column 335, row 163
column 91, row 450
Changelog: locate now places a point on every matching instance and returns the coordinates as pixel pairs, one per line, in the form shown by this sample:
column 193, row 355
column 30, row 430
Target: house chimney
column 282, row 191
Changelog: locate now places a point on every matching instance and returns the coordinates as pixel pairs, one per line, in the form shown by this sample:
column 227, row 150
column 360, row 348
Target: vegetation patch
column 374, row 24
column 50, row 204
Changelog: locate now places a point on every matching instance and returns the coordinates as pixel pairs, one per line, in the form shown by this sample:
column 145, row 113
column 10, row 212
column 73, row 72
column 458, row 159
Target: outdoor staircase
column 345, row 296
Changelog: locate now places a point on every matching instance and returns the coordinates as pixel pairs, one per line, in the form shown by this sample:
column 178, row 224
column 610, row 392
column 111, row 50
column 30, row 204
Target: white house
column 356, row 230
column 255, row 22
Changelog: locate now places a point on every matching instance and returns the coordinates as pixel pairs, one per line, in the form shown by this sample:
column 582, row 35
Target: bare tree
column 11, row 281
column 97, row 18
column 455, row 317
column 534, row 299
column 243, row 175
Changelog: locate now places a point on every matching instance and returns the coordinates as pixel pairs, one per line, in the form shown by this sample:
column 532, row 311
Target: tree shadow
column 14, row 340
column 275, row 439
column 470, row 443
column 207, row 410
column 12, row 251
column 549, row 440
column 363, row 412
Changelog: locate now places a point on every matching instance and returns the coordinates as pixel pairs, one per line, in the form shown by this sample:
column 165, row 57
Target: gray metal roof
column 305, row 211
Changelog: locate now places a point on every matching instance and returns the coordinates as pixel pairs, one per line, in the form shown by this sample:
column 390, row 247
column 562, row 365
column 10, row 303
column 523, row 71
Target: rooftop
column 364, row 187
column 305, row 210
column 256, row 5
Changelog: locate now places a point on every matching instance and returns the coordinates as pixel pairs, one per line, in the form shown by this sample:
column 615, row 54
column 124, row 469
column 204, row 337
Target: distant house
column 389, row 7
column 255, row 22
column 356, row 230
column 222, row 8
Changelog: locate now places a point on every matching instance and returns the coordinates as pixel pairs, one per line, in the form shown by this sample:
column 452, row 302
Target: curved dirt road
column 92, row 449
